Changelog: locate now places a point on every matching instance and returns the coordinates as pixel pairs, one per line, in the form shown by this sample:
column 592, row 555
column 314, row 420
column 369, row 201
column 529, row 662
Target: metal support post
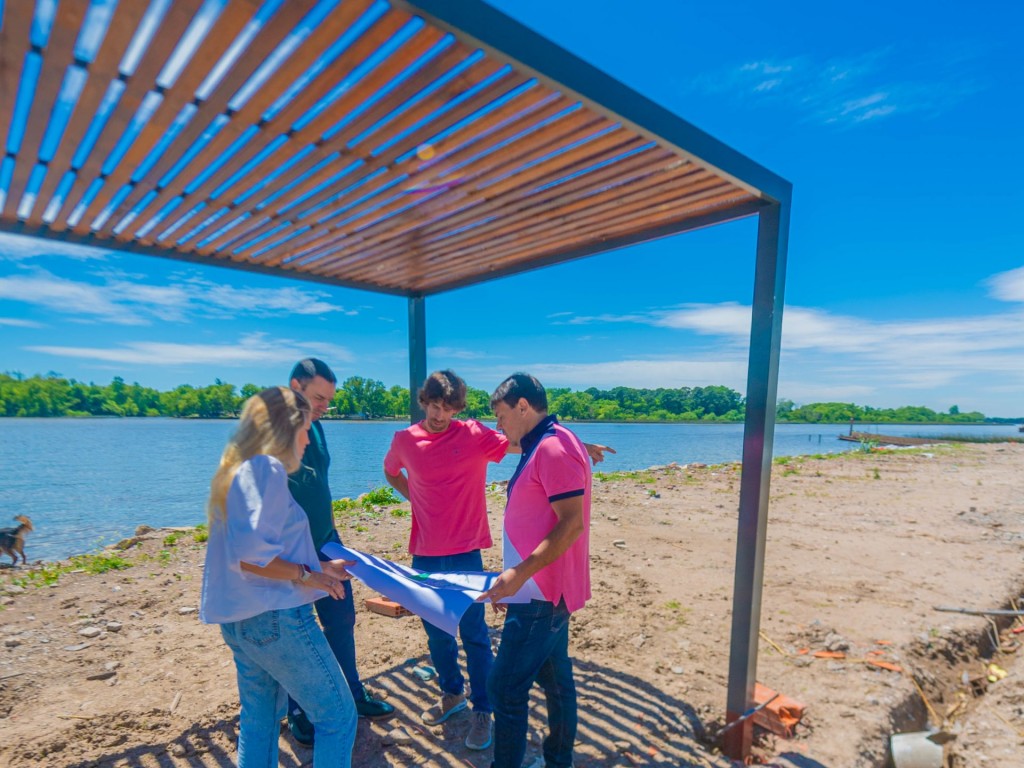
column 758, row 433
column 417, row 353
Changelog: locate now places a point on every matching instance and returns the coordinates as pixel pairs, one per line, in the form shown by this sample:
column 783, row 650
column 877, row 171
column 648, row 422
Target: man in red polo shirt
column 446, row 461
column 546, row 544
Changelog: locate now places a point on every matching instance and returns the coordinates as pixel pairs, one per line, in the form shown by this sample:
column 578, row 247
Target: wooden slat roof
column 404, row 147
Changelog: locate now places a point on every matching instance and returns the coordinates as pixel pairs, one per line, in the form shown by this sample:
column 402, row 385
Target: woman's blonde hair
column 269, row 425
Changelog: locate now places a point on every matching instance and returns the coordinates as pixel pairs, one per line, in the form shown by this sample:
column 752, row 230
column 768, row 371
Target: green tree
column 478, row 404
column 367, row 396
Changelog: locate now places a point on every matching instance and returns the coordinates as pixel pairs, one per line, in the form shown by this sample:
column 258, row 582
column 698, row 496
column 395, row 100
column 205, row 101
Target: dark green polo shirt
column 311, row 489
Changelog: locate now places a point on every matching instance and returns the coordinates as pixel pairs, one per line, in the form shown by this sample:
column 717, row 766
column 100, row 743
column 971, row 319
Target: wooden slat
column 459, row 254
column 338, row 143
column 426, row 173
column 547, row 138
column 386, row 159
column 58, row 55
column 555, row 136
column 382, row 75
column 322, row 151
column 329, row 148
column 642, row 174
column 103, row 70
column 539, row 107
column 171, row 29
column 533, row 105
column 483, row 205
column 223, row 33
column 250, row 114
column 572, row 233
column 455, row 254
column 14, row 43
column 378, row 78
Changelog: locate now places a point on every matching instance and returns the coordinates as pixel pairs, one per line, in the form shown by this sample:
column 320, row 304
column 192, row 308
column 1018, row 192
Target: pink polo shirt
column 447, row 484
column 557, row 467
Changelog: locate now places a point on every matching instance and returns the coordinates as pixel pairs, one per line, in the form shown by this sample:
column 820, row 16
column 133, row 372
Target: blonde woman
column 262, row 575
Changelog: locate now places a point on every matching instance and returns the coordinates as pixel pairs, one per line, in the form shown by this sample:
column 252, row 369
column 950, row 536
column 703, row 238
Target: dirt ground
column 115, row 669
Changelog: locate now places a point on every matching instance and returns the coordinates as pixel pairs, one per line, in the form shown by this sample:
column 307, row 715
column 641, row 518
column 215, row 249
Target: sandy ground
column 116, row 670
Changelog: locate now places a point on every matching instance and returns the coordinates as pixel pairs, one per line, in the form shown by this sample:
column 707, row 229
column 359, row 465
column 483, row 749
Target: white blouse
column 262, row 522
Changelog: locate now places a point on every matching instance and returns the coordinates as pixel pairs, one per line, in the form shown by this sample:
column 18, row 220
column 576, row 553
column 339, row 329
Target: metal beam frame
column 758, row 433
column 483, row 25
column 417, row 353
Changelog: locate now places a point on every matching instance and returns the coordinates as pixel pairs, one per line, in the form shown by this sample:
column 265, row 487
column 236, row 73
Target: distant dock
column 871, row 437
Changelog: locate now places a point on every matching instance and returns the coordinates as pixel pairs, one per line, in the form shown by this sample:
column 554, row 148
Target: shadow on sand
column 623, row 721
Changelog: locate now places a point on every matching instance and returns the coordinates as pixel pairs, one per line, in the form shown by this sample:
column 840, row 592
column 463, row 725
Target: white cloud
column 250, row 349
column 1007, row 286
column 265, row 302
column 453, row 353
column 23, row 247
column 68, row 297
column 727, row 319
column 827, row 356
column 16, row 322
column 857, row 89
column 121, row 300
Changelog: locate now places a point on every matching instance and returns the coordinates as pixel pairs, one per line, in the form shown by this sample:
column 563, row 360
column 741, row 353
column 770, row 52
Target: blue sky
column 899, row 125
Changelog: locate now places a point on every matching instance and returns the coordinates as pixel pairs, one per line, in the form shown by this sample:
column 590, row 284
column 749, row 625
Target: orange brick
column 781, row 715
column 385, row 607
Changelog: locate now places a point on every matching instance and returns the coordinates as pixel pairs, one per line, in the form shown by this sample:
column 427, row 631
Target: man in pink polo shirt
column 546, row 546
column 445, row 473
column 446, row 461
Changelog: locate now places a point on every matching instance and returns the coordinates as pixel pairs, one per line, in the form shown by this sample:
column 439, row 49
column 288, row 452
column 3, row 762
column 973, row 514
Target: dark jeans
column 444, row 650
column 338, row 619
column 534, row 648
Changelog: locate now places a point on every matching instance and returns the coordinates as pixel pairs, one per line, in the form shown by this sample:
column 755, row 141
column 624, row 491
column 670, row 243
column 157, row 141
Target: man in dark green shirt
column 311, row 489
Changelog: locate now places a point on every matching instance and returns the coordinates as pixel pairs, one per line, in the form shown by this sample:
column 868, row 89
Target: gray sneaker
column 449, row 704
column 479, row 736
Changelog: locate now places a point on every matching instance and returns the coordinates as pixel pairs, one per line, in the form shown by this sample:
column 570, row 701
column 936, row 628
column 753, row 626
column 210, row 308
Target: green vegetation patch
column 367, row 504
column 639, row 476
column 50, row 573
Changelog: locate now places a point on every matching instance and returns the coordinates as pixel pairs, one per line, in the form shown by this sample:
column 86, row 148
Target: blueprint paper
column 440, row 598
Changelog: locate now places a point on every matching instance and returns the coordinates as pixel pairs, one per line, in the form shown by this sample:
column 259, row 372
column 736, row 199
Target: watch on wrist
column 306, row 575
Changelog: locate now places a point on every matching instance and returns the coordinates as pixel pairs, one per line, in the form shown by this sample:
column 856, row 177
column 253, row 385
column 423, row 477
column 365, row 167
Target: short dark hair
column 306, row 370
column 521, row 385
column 445, row 386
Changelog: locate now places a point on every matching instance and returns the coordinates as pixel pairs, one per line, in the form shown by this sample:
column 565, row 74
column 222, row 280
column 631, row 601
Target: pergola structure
column 401, row 146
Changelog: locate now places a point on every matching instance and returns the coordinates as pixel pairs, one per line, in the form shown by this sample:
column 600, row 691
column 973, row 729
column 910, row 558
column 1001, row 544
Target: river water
column 87, row 483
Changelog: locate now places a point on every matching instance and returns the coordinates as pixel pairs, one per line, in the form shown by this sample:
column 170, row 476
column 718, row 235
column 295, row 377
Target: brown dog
column 12, row 540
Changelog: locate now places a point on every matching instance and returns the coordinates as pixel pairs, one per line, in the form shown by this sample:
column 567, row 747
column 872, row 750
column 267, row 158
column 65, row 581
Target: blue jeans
column 476, row 642
column 284, row 650
column 338, row 619
column 534, row 648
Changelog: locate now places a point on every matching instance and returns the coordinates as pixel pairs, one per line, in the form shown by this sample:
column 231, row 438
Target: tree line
column 359, row 397
column 831, row 413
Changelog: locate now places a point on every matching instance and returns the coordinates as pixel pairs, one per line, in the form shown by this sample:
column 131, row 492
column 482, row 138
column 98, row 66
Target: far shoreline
column 567, row 420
